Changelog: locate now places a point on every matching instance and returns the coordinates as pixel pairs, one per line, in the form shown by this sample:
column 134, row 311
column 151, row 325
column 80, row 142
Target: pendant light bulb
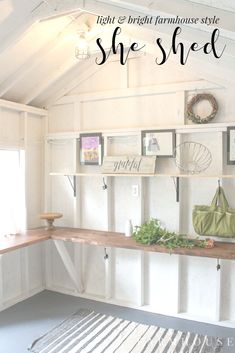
column 82, row 48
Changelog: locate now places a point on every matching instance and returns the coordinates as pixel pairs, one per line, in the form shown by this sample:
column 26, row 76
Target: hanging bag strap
column 220, row 199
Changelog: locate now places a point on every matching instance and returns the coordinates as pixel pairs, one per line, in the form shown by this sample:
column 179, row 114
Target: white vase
column 128, row 228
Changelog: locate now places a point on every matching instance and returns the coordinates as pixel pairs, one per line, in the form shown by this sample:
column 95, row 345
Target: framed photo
column 231, row 145
column 91, row 149
column 160, row 143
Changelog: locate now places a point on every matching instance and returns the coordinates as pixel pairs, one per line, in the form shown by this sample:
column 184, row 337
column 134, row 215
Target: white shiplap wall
column 166, row 284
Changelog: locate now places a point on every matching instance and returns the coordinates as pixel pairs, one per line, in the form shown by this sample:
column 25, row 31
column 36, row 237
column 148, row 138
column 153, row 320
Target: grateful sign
column 129, row 164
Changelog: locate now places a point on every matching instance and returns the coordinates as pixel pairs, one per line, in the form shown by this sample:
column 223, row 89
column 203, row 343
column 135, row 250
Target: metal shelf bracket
column 72, row 182
column 176, row 181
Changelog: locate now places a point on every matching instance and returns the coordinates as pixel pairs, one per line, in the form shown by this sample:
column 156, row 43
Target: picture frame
column 231, row 145
column 91, row 148
column 160, row 143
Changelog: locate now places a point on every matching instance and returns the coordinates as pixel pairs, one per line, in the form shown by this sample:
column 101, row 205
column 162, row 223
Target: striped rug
column 88, row 331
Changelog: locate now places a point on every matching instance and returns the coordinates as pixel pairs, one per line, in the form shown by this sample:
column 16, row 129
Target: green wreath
column 198, row 98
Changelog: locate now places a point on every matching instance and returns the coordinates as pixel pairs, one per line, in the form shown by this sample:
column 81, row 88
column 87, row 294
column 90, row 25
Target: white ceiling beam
column 224, row 4
column 54, row 8
column 22, row 107
column 50, row 80
column 28, row 66
column 17, row 32
column 36, row 59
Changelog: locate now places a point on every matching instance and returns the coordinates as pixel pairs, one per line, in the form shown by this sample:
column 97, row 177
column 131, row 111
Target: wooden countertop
column 14, row 242
column 222, row 250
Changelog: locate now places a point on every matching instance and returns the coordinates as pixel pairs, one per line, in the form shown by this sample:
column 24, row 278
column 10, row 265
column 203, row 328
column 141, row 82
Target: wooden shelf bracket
column 69, row 265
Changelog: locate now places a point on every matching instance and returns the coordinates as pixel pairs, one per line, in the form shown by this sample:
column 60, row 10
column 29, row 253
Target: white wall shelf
column 215, row 176
column 180, row 129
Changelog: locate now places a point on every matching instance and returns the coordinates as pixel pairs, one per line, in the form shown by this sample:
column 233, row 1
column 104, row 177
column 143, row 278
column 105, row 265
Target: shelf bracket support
column 218, row 266
column 69, row 265
column 104, row 186
column 176, row 181
column 106, row 256
column 72, row 182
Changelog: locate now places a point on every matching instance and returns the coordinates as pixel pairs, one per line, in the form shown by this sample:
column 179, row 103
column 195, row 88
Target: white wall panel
column 61, row 118
column 161, row 202
column 126, row 206
column 134, row 111
column 62, row 200
column 126, row 278
column 11, row 275
column 35, row 262
column 62, row 156
column 198, row 286
column 228, row 290
column 93, row 207
column 94, row 270
column 110, row 76
column 143, row 71
column 10, row 132
column 162, row 282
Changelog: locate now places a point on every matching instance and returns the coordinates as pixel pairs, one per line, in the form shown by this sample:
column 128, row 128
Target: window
column 12, row 192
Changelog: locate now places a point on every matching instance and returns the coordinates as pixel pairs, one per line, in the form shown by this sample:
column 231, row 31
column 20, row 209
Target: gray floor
column 21, row 324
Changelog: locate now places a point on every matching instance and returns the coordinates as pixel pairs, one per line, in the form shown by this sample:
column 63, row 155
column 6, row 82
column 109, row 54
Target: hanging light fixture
column 82, row 47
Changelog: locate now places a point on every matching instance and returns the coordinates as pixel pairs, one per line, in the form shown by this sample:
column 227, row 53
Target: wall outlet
column 135, row 190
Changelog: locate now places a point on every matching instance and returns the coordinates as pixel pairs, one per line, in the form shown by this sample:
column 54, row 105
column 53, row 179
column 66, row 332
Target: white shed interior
column 48, row 98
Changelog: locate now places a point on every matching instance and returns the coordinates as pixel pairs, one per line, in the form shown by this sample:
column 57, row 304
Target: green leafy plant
column 151, row 232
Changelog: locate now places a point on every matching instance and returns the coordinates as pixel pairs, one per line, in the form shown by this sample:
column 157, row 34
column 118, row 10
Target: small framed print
column 91, row 149
column 160, row 143
column 231, row 145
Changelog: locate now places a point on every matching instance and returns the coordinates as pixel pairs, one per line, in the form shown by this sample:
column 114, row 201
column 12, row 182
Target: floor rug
column 87, row 331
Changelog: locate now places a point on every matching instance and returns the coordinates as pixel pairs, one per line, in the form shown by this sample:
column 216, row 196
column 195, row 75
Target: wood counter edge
column 221, row 250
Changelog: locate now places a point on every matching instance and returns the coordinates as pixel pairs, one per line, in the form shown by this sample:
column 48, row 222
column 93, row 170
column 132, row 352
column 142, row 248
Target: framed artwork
column 160, row 143
column 231, row 145
column 91, row 149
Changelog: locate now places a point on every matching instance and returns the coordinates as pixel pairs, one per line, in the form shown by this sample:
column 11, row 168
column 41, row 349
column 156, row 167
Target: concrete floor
column 21, row 324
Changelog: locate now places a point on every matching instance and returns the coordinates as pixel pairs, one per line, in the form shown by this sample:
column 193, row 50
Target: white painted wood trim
column 141, row 294
column 22, row 108
column 78, row 263
column 109, row 262
column 108, row 273
column 175, row 175
column 219, row 273
column 180, row 97
column 24, row 116
column 180, row 129
column 69, row 265
column 48, row 266
column 20, row 298
column 24, row 266
column 147, row 308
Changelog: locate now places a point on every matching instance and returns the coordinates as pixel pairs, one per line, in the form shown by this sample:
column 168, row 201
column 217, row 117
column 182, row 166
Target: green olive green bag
column 218, row 219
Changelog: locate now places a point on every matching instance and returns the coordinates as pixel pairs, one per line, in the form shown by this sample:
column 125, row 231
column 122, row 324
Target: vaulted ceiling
column 38, row 39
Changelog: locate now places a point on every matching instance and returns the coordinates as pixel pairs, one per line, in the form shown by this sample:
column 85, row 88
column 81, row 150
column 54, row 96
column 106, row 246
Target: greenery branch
column 151, row 232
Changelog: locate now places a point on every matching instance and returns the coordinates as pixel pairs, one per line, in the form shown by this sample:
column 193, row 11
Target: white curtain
column 12, row 192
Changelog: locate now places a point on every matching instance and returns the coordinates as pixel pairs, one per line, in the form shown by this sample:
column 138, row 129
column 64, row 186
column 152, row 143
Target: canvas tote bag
column 218, row 219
